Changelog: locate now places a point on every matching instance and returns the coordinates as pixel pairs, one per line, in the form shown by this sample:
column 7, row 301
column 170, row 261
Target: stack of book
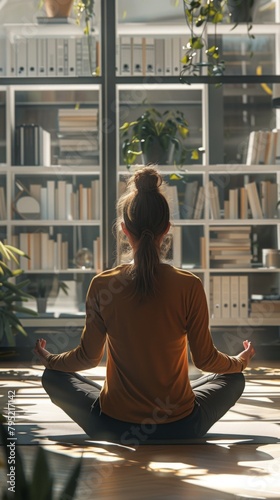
column 265, row 309
column 230, row 246
column 78, row 137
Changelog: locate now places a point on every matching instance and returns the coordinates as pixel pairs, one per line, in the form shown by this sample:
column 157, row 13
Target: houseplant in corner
column 155, row 137
column 11, row 295
column 199, row 14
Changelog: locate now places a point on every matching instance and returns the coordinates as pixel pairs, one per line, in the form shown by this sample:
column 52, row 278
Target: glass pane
column 2, row 127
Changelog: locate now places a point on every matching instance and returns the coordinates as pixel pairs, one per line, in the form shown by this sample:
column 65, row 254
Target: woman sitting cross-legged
column 145, row 313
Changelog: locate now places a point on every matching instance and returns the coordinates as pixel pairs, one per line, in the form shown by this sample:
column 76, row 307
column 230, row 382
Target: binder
column 234, row 296
column 51, row 57
column 168, row 65
column 71, row 56
column 149, row 56
column 125, row 56
column 60, row 56
column 2, row 56
column 11, row 58
column 32, row 57
column 137, row 56
column 217, row 297
column 42, row 56
column 159, row 56
column 225, row 292
column 243, row 296
column 79, row 57
column 65, row 56
column 21, row 56
column 176, row 55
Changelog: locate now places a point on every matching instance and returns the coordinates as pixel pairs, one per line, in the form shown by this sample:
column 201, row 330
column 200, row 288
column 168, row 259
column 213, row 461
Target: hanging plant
column 198, row 15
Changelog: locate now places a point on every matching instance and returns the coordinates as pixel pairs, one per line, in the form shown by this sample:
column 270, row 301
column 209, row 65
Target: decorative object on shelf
column 198, row 14
column 84, row 258
column 271, row 257
column 41, row 288
column 11, row 295
column 58, row 8
column 157, row 138
column 25, row 205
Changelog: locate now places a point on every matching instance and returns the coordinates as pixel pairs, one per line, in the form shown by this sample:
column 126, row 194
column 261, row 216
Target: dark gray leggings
column 79, row 398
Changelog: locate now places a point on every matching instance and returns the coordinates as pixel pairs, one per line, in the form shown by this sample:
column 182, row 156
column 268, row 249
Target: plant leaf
column 72, row 483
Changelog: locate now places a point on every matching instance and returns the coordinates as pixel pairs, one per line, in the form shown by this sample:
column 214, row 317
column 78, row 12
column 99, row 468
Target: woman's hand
column 41, row 352
column 248, row 352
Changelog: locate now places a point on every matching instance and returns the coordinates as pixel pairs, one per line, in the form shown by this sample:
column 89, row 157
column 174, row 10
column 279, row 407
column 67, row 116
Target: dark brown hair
column 145, row 212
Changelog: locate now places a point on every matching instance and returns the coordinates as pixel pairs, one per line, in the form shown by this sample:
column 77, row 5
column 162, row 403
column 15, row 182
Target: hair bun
column 147, row 179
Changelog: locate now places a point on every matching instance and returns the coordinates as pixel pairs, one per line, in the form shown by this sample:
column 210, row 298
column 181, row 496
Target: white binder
column 217, row 297
column 168, row 64
column 125, row 56
column 42, row 56
column 225, row 282
column 234, row 296
column 137, row 56
column 32, row 57
column 51, row 57
column 71, row 56
column 243, row 296
column 21, row 56
column 149, row 54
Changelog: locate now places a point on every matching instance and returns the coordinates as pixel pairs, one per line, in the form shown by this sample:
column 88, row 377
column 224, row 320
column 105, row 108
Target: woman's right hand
column 248, row 353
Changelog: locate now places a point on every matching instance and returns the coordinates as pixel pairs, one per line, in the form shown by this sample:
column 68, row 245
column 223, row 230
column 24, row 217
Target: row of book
column 50, row 253
column 263, row 147
column 32, row 145
column 61, row 200
column 229, row 297
column 77, row 135
column 253, row 200
column 230, row 246
column 149, row 56
column 30, row 56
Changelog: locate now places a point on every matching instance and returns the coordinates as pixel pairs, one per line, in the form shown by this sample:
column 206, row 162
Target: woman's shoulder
column 178, row 272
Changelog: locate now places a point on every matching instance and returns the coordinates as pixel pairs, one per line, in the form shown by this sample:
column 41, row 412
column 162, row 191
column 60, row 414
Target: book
column 254, row 200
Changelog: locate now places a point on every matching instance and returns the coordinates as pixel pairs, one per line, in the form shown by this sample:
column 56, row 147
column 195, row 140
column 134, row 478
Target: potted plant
column 159, row 137
column 43, row 287
column 11, row 295
column 198, row 14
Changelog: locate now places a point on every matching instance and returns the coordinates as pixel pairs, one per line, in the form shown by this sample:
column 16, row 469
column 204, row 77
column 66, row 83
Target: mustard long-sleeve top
column 147, row 361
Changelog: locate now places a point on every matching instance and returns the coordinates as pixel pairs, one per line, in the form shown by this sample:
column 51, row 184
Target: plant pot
column 58, row 8
column 241, row 10
column 41, row 304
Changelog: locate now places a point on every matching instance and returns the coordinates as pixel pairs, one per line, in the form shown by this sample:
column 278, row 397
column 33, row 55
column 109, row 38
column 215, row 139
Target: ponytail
column 145, row 213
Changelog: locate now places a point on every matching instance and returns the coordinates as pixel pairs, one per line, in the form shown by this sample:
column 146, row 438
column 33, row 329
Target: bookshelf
column 54, row 208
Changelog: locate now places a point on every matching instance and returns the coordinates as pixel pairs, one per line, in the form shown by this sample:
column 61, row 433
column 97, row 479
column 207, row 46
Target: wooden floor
column 238, row 459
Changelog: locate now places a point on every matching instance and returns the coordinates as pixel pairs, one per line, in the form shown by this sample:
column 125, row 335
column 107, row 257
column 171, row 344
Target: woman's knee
column 50, row 380
column 237, row 383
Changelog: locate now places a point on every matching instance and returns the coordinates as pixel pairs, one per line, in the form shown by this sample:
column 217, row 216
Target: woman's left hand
column 41, row 352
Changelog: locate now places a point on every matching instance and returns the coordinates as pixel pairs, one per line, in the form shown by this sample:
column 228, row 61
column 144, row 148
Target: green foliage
column 169, row 128
column 11, row 294
column 41, row 485
column 198, row 14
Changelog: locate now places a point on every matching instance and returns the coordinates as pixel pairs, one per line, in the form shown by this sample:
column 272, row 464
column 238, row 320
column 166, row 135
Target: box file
column 168, row 65
column 21, row 56
column 42, row 56
column 225, row 299
column 159, row 56
column 234, row 296
column 125, row 56
column 51, row 57
column 2, row 56
column 71, row 56
column 32, row 57
column 137, row 56
column 60, row 56
column 176, row 55
column 243, row 296
column 149, row 56
column 217, row 297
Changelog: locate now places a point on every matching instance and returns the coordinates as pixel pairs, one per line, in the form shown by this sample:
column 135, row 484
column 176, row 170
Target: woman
column 145, row 313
